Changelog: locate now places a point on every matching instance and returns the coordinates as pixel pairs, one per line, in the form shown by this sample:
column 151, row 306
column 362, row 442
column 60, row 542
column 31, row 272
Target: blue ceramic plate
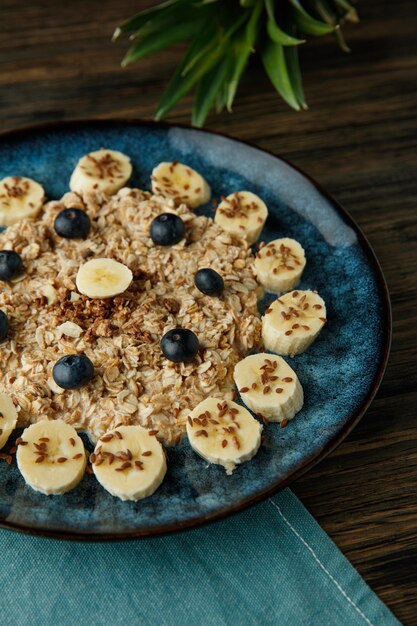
column 340, row 372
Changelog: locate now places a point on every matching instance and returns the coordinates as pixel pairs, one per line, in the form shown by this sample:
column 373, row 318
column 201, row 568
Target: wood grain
column 359, row 139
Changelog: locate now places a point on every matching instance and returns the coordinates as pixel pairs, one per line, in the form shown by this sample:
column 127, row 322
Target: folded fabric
column 271, row 564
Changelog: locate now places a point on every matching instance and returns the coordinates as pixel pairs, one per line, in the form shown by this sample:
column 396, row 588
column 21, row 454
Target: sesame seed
column 201, row 433
column 288, row 332
column 62, row 459
column 283, row 423
column 40, row 459
column 279, row 390
column 288, row 379
column 147, row 453
column 244, row 389
column 152, row 433
column 118, row 434
column 72, row 441
column 224, row 443
column 267, row 389
column 44, row 439
column 78, row 456
column 317, row 306
column 106, row 438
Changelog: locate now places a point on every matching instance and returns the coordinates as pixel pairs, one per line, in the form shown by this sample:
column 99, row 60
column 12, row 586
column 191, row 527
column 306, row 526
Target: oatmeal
column 134, row 383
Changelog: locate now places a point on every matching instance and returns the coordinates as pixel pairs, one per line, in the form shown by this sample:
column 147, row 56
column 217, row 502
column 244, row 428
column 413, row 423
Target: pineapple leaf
column 275, row 32
column 180, row 85
column 328, row 14
column 152, row 43
column 242, row 48
column 293, row 65
column 276, row 67
column 347, row 10
column 308, row 24
column 222, row 36
column 133, row 24
column 207, row 90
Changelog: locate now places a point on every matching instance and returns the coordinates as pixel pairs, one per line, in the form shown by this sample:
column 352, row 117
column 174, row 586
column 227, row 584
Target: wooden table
column 359, row 139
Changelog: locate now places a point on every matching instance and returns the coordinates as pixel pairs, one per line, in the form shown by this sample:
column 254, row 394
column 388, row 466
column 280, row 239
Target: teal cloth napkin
column 271, row 564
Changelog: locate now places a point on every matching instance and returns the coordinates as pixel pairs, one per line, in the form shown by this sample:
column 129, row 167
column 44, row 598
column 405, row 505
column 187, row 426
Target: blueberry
column 179, row 345
column 209, row 282
column 4, row 325
column 73, row 371
column 167, row 229
column 10, row 264
column 72, row 224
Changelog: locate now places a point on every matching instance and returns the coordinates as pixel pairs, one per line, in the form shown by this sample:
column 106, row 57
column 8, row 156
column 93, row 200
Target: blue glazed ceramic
column 340, row 372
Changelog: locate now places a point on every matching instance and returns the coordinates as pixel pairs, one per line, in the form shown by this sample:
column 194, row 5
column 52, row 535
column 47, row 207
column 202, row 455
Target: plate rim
column 336, row 440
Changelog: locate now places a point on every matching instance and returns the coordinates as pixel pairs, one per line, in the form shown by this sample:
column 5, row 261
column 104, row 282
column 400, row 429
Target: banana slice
column 181, row 183
column 293, row 321
column 269, row 386
column 103, row 170
column 129, row 462
column 51, row 457
column 242, row 214
column 8, row 418
column 280, row 264
column 19, row 198
column 103, row 278
column 223, row 433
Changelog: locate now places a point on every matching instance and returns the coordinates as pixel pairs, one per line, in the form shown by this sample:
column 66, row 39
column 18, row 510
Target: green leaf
column 294, row 72
column 331, row 17
column 220, row 36
column 164, row 21
column 152, row 43
column 275, row 32
column 208, row 88
column 308, row 24
column 180, row 85
column 349, row 12
column 242, row 47
column 276, row 67
column 133, row 24
column 247, row 3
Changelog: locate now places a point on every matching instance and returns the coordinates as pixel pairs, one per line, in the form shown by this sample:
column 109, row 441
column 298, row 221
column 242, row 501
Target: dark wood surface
column 359, row 139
